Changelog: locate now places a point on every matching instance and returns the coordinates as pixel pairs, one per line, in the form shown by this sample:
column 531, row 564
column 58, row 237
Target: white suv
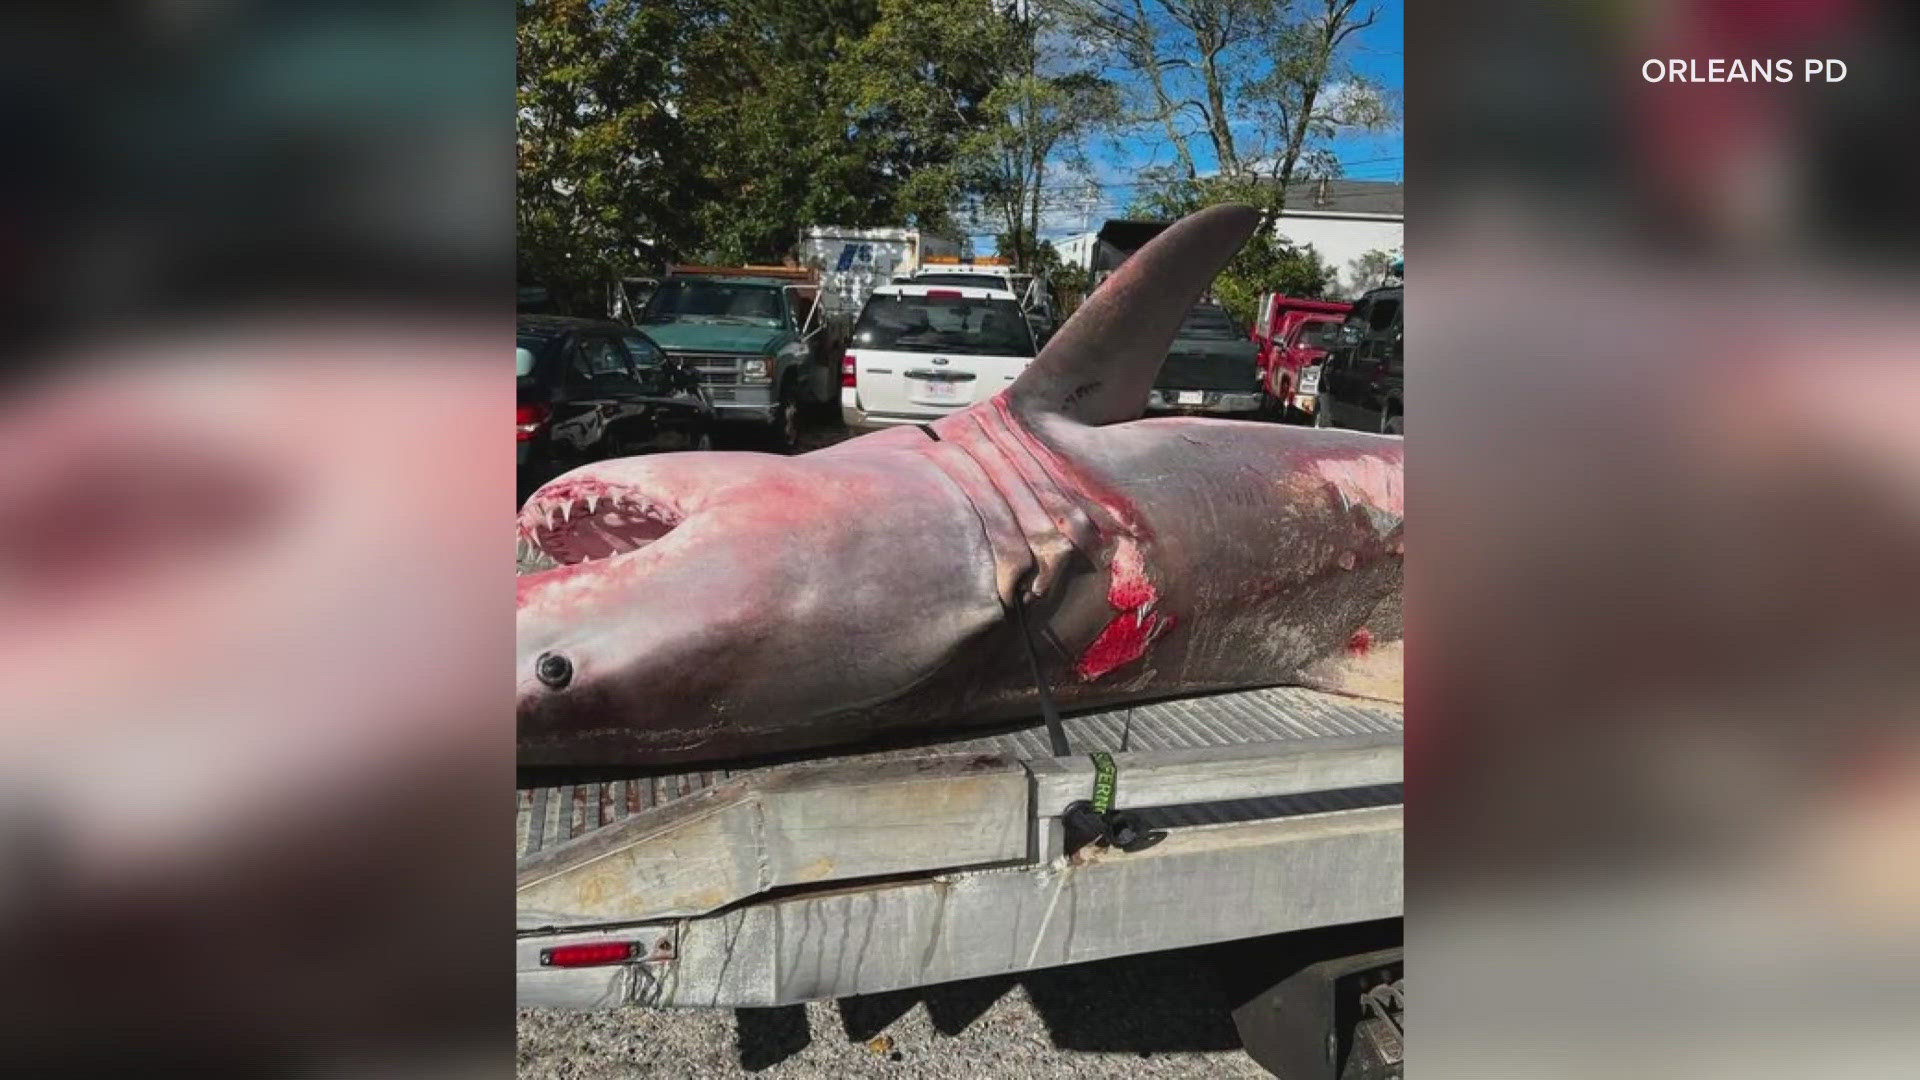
column 1034, row 294
column 921, row 351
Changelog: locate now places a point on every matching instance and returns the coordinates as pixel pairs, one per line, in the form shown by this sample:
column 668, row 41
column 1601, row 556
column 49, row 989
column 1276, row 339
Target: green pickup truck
column 756, row 335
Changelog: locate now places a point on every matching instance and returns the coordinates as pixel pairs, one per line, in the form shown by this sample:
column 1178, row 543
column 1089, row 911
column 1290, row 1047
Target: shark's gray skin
column 717, row 606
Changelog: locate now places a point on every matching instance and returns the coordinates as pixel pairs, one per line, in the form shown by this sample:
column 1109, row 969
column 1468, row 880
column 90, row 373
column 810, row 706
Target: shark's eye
column 554, row 670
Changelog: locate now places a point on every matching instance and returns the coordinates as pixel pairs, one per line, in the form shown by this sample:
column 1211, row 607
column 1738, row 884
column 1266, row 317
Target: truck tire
column 785, row 428
column 1336, row 1011
column 823, row 385
column 1276, row 407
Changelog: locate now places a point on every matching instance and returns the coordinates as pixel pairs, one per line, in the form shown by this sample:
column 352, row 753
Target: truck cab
column 1210, row 369
column 1273, row 330
column 755, row 335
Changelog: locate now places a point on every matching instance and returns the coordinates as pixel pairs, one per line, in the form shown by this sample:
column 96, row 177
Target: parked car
column 1033, row 293
column 589, row 389
column 1304, row 347
column 1361, row 383
column 757, row 337
column 921, row 351
column 1212, row 368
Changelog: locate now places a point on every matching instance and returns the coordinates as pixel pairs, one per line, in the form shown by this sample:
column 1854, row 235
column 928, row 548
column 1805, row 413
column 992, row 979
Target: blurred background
column 254, row 621
column 1665, row 672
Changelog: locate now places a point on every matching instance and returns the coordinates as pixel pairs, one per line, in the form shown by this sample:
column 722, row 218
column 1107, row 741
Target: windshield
column 1319, row 335
column 1211, row 323
column 974, row 281
column 949, row 324
column 694, row 300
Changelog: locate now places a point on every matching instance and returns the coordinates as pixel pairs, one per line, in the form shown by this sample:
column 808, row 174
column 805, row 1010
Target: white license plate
column 940, row 391
column 1190, row 397
column 1309, row 382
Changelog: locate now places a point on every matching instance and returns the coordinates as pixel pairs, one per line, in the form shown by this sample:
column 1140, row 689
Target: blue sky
column 1376, row 53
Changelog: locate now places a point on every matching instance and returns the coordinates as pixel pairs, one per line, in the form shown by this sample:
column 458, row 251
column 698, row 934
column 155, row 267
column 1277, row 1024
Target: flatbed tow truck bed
column 1278, row 809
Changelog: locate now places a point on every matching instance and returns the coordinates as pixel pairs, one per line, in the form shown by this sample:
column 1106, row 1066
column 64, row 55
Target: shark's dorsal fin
column 1100, row 366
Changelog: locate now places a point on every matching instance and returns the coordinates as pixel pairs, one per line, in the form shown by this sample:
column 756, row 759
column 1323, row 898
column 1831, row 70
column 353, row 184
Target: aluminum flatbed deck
column 868, row 872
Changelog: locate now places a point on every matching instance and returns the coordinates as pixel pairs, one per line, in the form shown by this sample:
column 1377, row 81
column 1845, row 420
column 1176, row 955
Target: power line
column 1080, row 187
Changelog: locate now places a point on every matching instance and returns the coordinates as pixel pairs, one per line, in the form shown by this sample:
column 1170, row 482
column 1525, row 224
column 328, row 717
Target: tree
column 1370, row 269
column 918, row 85
column 1270, row 265
column 779, row 144
column 1037, row 122
column 1072, row 284
column 597, row 133
column 1262, row 86
column 1309, row 93
column 654, row 131
column 1187, row 57
column 990, row 86
column 1038, row 256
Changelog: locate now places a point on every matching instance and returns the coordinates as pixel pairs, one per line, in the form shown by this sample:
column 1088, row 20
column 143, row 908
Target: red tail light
column 949, row 294
column 605, row 952
column 528, row 420
column 847, row 376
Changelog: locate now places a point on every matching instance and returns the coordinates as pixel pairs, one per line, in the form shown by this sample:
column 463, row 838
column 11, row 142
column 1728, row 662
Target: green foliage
column 1038, row 122
column 655, row 131
column 1071, row 284
column 917, row 86
column 595, row 125
column 1270, row 265
column 1371, row 268
column 1035, row 256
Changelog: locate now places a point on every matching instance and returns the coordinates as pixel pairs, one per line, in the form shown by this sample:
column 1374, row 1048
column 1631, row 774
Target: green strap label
column 1103, row 782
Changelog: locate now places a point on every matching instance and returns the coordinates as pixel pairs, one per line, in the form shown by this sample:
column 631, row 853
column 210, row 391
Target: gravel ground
column 1160, row 1015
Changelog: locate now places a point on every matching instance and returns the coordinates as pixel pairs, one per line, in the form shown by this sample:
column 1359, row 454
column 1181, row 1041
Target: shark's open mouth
column 575, row 521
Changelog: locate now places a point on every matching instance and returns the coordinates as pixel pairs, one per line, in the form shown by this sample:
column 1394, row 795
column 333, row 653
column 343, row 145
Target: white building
column 1075, row 250
column 1346, row 220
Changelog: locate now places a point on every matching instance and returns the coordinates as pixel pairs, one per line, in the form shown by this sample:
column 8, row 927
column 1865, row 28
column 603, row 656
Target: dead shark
column 715, row 606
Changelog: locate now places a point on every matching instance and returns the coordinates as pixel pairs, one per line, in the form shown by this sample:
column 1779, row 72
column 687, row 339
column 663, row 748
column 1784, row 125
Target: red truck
column 1288, row 331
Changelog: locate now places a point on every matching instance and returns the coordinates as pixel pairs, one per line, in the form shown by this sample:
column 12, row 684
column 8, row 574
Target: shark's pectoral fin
column 1099, row 368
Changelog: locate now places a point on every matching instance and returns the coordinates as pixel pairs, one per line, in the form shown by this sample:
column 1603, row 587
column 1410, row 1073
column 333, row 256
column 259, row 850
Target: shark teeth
column 575, row 526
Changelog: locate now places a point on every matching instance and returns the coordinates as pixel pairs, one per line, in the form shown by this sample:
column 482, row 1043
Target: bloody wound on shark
column 713, row 606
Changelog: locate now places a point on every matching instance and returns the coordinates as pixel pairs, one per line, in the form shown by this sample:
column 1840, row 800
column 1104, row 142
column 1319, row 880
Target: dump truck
column 757, row 336
column 851, row 262
column 1178, row 823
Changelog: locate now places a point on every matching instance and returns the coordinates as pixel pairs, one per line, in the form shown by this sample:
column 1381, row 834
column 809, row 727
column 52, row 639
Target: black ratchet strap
column 1092, row 819
column 1095, row 820
column 1055, row 732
